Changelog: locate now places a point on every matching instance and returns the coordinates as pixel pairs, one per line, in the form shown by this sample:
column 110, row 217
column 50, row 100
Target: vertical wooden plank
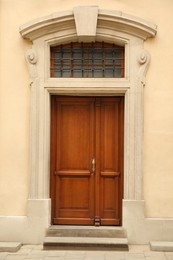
column 97, row 174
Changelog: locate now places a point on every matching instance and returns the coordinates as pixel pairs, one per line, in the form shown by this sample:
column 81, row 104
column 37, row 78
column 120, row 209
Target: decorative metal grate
column 87, row 60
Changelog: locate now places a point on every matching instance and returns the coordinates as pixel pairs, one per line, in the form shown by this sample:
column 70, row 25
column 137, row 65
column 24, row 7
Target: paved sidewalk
column 32, row 252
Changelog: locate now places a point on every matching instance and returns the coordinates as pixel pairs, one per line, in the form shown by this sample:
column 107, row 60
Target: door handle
column 93, row 162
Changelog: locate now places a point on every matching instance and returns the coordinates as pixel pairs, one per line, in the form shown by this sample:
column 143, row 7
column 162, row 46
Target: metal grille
column 87, row 60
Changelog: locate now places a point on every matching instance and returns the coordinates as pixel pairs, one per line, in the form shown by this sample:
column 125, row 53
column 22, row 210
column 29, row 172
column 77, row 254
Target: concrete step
column 84, row 243
column 78, row 231
column 86, row 237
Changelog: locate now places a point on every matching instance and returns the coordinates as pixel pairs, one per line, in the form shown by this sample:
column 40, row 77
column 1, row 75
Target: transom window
column 87, row 60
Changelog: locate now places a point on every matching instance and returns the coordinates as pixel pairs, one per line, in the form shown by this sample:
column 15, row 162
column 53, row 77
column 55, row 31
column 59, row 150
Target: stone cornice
column 48, row 24
column 126, row 23
column 116, row 20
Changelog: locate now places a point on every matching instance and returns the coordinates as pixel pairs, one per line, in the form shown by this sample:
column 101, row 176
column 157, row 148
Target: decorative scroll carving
column 143, row 60
column 31, row 58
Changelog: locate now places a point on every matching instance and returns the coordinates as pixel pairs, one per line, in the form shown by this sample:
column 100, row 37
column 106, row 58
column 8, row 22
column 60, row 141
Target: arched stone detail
column 114, row 20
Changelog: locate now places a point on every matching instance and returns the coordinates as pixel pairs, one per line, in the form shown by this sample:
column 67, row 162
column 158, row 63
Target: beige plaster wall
column 158, row 116
column 15, row 100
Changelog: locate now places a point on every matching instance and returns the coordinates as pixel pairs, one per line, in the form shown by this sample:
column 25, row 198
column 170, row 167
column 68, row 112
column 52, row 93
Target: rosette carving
column 31, row 56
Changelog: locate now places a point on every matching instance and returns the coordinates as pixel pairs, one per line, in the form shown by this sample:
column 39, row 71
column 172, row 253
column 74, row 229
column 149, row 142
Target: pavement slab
column 15, row 257
column 115, row 255
column 32, row 252
column 169, row 256
column 3, row 255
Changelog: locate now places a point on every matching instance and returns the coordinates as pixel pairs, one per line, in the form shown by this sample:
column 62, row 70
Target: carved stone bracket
column 31, row 58
column 143, row 60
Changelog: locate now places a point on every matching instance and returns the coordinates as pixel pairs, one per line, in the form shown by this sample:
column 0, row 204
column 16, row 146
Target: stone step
column 84, row 243
column 78, row 231
column 164, row 246
column 10, row 246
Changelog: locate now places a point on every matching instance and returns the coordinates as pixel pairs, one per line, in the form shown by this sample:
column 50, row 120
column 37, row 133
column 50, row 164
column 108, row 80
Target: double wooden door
column 86, row 160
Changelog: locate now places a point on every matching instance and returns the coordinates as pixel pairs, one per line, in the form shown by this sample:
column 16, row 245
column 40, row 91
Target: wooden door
column 87, row 160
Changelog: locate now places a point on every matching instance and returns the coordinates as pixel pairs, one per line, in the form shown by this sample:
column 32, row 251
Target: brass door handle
column 93, row 162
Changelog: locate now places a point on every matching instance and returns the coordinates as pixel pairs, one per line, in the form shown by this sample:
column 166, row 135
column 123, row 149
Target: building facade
column 86, row 136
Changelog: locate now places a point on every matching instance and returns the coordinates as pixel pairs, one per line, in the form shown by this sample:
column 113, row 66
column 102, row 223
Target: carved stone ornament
column 143, row 60
column 31, row 56
column 143, row 57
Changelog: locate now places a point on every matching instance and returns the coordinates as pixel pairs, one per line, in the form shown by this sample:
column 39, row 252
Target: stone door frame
column 87, row 23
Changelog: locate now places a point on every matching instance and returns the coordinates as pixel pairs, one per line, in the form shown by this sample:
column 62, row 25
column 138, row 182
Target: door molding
column 110, row 26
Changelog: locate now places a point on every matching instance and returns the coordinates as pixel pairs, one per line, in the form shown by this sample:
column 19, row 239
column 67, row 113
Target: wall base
column 28, row 229
column 31, row 229
column 142, row 230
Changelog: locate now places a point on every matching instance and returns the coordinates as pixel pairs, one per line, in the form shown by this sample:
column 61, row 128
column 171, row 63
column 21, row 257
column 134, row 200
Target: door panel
column 83, row 128
column 110, row 166
column 74, row 133
column 74, row 141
